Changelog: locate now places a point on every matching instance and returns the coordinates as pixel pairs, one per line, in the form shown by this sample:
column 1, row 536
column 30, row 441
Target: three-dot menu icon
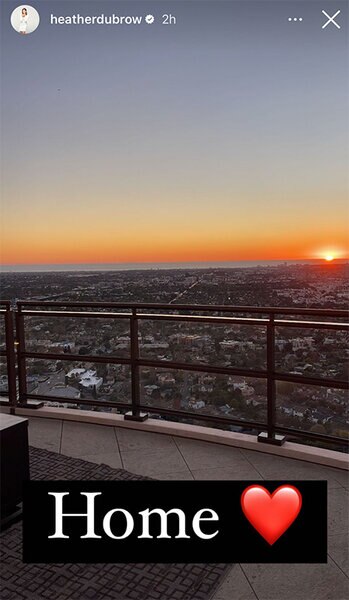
column 295, row 19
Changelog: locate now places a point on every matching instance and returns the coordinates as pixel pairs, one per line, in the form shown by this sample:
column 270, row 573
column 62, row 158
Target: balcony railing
column 269, row 318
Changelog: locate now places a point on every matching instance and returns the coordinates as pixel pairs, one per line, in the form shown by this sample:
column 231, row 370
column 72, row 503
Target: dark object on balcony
column 14, row 466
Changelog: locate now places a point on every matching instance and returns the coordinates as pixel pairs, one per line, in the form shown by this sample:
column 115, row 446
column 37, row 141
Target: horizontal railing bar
column 311, row 324
column 69, row 314
column 167, row 364
column 77, row 357
column 188, row 318
column 102, row 403
column 202, row 368
column 143, row 316
column 198, row 307
column 202, row 319
column 318, row 381
column 244, row 321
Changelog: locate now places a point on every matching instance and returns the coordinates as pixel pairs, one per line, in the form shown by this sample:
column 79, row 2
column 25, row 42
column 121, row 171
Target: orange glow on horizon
column 146, row 243
column 163, row 253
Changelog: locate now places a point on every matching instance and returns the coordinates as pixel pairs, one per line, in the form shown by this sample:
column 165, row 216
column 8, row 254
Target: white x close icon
column 331, row 19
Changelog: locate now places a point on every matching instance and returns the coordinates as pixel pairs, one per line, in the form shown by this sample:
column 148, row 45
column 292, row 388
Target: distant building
column 87, row 379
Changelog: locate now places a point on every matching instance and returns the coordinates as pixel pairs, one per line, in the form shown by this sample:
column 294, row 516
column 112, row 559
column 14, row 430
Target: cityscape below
column 309, row 352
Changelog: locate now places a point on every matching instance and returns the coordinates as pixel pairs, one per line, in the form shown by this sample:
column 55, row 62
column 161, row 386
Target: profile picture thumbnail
column 25, row 19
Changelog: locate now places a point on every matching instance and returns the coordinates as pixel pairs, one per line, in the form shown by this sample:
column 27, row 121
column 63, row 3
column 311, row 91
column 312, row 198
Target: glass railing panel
column 221, row 345
column 79, row 381
column 312, row 352
column 201, row 393
column 312, row 408
column 78, row 335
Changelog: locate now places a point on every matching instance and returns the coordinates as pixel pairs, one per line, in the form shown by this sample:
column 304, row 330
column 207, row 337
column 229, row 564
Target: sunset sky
column 221, row 138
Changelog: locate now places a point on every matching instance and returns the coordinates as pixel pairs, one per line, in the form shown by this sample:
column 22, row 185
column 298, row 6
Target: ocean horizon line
column 143, row 266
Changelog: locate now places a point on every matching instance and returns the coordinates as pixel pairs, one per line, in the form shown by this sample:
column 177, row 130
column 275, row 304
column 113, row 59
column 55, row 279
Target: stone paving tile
column 277, row 467
column 150, row 463
column 338, row 549
column 338, row 511
column 130, row 439
column 45, row 433
column 205, row 455
column 236, row 472
column 84, row 439
column 341, row 476
column 298, row 582
column 235, row 586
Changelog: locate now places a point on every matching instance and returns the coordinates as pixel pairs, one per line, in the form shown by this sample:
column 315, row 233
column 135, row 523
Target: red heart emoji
column 271, row 514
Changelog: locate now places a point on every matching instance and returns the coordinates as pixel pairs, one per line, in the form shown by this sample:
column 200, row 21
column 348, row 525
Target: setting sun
column 329, row 257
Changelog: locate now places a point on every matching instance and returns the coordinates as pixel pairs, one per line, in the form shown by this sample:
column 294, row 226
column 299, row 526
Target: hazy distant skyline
column 221, row 138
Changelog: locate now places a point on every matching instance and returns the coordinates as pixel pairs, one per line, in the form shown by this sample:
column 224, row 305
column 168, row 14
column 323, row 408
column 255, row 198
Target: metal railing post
column 269, row 436
column 135, row 414
column 11, row 360
column 20, row 343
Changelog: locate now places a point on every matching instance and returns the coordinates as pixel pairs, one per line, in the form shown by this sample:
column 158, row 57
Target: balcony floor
column 168, row 457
